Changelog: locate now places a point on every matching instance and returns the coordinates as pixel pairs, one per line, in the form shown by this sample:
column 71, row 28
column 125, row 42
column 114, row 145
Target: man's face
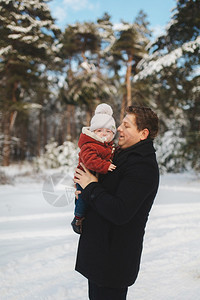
column 129, row 135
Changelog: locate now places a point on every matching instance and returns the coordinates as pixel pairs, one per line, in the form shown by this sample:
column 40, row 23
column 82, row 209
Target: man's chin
column 120, row 141
column 120, row 144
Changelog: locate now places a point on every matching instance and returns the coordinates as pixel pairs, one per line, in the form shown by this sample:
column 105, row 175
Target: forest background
column 52, row 80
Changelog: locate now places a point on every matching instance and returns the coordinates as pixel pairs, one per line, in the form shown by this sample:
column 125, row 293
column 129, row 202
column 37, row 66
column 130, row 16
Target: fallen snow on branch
column 150, row 65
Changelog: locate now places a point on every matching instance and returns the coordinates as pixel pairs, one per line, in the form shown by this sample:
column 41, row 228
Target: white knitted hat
column 103, row 118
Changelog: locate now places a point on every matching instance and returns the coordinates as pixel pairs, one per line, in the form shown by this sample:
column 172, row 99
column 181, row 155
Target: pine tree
column 80, row 38
column 179, row 44
column 107, row 36
column 81, row 45
column 28, row 46
column 172, row 72
column 184, row 25
column 87, row 90
column 130, row 48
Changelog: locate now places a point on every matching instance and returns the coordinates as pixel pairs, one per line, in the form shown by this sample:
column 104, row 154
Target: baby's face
column 105, row 133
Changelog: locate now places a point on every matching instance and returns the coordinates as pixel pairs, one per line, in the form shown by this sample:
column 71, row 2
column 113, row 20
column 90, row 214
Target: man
column 110, row 246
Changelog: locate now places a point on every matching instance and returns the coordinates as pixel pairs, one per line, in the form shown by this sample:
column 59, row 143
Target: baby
column 96, row 153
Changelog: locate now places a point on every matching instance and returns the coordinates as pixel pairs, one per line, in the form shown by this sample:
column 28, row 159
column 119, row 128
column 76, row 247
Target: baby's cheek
column 109, row 138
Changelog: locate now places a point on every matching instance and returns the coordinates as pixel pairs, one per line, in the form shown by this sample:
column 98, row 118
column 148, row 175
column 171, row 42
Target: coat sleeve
column 92, row 160
column 138, row 183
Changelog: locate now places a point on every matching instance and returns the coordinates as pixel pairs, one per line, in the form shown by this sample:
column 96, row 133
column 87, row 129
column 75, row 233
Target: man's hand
column 84, row 177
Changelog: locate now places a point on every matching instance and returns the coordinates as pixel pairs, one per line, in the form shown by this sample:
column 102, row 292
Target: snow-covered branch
column 154, row 64
column 5, row 50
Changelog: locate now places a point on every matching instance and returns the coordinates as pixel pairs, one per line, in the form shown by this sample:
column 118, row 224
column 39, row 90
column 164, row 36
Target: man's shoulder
column 141, row 157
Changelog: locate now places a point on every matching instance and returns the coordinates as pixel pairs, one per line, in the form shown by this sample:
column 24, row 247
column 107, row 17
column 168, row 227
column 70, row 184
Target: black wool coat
column 110, row 246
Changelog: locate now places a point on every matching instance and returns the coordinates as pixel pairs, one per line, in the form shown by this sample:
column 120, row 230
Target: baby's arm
column 91, row 159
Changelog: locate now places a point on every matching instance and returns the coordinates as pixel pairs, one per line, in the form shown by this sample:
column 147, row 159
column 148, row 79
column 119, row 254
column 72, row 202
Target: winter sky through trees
column 71, row 11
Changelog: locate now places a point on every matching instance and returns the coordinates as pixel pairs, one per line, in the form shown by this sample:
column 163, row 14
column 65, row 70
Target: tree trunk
column 39, row 135
column 83, row 56
column 8, row 125
column 128, row 80
column 98, row 67
column 44, row 131
column 63, row 127
column 68, row 113
column 123, row 107
column 73, row 124
column 88, row 117
column 6, row 144
column 127, row 101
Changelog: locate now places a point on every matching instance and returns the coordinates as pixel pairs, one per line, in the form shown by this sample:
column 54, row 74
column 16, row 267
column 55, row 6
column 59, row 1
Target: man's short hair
column 145, row 118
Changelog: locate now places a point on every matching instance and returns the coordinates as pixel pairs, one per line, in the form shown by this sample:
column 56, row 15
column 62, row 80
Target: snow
column 5, row 50
column 27, row 3
column 122, row 26
column 196, row 89
column 151, row 66
column 14, row 36
column 90, row 68
column 19, row 28
column 32, row 106
column 30, row 39
column 38, row 246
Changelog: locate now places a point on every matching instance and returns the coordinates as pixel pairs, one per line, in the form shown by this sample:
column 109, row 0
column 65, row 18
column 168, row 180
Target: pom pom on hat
column 104, row 108
column 103, row 118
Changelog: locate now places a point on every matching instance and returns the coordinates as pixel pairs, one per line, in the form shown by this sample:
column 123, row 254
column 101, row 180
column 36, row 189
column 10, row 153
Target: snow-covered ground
column 38, row 246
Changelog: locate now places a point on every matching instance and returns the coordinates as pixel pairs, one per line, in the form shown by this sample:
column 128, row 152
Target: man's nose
column 119, row 128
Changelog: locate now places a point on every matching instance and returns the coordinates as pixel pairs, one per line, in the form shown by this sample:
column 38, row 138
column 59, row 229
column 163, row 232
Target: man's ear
column 144, row 134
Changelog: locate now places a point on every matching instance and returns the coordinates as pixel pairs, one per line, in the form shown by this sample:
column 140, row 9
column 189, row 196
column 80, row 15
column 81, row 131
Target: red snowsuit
column 95, row 154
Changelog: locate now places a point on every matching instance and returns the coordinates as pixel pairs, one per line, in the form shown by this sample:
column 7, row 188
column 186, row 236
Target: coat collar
column 142, row 148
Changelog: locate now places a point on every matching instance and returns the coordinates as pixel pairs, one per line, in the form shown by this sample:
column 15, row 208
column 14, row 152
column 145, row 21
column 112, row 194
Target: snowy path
column 38, row 247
